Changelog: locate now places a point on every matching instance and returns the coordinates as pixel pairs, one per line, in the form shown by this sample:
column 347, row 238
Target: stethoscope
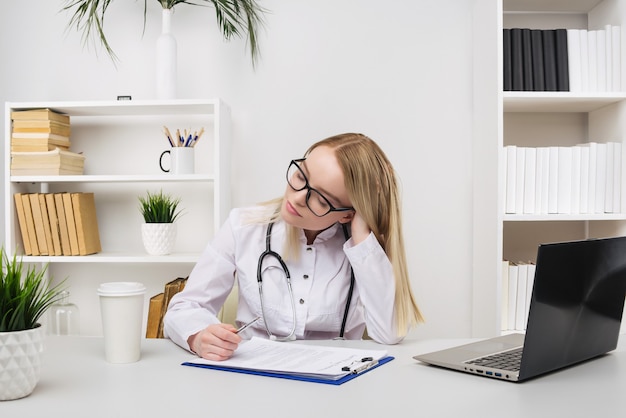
column 270, row 253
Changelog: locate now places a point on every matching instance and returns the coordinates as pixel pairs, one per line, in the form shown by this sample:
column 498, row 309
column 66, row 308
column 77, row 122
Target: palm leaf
column 234, row 17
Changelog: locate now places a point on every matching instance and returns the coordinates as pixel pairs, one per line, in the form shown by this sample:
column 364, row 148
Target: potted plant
column 234, row 17
column 25, row 295
column 159, row 212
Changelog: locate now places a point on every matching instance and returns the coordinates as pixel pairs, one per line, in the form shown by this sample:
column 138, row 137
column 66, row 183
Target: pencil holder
column 181, row 160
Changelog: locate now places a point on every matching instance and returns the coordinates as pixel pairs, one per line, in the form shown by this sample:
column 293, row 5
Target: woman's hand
column 359, row 228
column 215, row 342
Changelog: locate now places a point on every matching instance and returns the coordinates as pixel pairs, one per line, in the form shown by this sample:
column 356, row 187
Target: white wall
column 398, row 71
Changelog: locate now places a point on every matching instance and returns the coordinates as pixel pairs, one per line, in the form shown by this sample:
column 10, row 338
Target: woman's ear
column 347, row 218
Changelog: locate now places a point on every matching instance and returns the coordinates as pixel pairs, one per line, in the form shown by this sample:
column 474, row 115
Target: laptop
column 575, row 315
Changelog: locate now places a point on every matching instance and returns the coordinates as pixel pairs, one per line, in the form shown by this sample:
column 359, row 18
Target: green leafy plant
column 159, row 208
column 25, row 294
column 234, row 17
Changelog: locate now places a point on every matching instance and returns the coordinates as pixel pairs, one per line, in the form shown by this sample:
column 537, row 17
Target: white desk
column 77, row 382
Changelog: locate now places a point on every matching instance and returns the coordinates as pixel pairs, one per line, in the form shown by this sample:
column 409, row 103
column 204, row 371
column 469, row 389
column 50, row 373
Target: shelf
column 118, row 178
column 565, row 217
column 532, row 101
column 563, row 6
column 125, row 257
column 127, row 107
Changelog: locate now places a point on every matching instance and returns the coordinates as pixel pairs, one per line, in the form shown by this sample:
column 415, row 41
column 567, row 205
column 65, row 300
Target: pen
column 364, row 367
column 244, row 326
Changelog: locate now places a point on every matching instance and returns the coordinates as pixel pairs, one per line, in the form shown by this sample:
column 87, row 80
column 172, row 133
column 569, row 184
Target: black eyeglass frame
column 310, row 189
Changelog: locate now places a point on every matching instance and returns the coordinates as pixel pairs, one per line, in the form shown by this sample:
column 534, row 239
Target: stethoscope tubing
column 270, row 253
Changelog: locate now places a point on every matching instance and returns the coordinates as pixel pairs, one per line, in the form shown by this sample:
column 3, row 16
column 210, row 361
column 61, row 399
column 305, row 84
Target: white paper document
column 317, row 361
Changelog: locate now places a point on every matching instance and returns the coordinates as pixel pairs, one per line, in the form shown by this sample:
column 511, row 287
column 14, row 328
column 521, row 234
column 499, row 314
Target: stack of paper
column 312, row 363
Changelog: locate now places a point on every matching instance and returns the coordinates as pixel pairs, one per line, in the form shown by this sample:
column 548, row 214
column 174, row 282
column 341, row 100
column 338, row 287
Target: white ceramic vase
column 166, row 59
column 158, row 239
column 20, row 361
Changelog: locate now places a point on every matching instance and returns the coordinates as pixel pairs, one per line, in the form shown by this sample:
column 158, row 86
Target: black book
column 562, row 66
column 549, row 59
column 536, row 39
column 506, row 58
column 527, row 59
column 517, row 61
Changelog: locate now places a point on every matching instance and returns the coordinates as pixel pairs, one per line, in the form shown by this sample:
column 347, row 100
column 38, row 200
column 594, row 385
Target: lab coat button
column 306, row 276
column 301, row 301
column 309, row 249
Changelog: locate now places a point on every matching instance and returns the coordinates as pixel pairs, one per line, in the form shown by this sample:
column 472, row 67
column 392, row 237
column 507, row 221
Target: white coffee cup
column 181, row 160
column 121, row 307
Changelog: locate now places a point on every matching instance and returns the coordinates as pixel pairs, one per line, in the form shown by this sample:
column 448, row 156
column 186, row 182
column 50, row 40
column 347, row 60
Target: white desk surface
column 76, row 381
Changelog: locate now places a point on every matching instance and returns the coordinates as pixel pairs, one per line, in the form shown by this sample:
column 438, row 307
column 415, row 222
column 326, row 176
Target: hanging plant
column 235, row 18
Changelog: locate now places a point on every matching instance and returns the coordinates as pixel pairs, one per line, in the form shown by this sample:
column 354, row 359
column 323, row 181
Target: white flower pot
column 158, row 239
column 20, row 360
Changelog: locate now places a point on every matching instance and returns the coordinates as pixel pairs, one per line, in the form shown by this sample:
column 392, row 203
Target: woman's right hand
column 216, row 342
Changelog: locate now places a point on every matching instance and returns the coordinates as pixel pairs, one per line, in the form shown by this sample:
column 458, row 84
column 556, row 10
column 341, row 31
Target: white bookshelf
column 532, row 119
column 122, row 142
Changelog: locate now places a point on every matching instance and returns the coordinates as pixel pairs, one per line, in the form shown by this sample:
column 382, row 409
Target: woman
column 337, row 228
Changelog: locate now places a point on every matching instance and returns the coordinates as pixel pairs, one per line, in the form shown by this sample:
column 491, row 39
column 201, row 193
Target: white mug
column 181, row 160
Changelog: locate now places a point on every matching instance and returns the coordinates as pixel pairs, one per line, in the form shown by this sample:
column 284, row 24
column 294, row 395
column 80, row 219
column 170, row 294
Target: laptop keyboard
column 507, row 360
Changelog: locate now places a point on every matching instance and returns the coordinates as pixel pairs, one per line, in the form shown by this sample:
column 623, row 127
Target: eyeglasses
column 315, row 201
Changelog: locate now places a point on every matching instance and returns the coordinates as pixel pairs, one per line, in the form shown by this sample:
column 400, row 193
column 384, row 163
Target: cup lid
column 121, row 289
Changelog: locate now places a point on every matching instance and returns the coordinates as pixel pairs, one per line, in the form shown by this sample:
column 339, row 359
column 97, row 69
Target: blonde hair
column 370, row 181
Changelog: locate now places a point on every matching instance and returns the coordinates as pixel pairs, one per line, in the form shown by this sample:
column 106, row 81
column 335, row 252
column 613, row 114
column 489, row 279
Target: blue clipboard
column 336, row 382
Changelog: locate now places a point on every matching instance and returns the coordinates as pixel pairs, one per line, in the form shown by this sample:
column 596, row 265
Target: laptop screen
column 577, row 303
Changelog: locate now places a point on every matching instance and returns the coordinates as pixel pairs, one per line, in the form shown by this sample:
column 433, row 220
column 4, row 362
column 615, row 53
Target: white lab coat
column 320, row 280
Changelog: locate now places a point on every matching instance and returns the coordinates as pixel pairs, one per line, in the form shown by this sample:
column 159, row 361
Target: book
column 155, row 308
column 504, row 296
column 85, row 218
column 171, row 288
column 584, row 179
column 40, row 114
column 584, row 59
column 63, row 232
column 562, row 60
column 576, row 180
column 39, row 227
column 324, row 364
column 41, row 126
column 71, row 223
column 536, row 39
column 530, row 173
column 616, row 41
column 517, row 60
column 608, row 183
column 520, row 303
column 617, row 177
column 511, row 170
column 520, row 176
column 574, row 62
column 30, row 224
column 512, row 298
column 21, row 218
column 592, row 62
column 601, row 60
column 54, row 223
column 549, row 59
column 553, row 179
column 55, row 162
column 564, row 181
column 527, row 59
column 38, row 142
column 530, row 281
column 46, row 223
column 601, row 150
